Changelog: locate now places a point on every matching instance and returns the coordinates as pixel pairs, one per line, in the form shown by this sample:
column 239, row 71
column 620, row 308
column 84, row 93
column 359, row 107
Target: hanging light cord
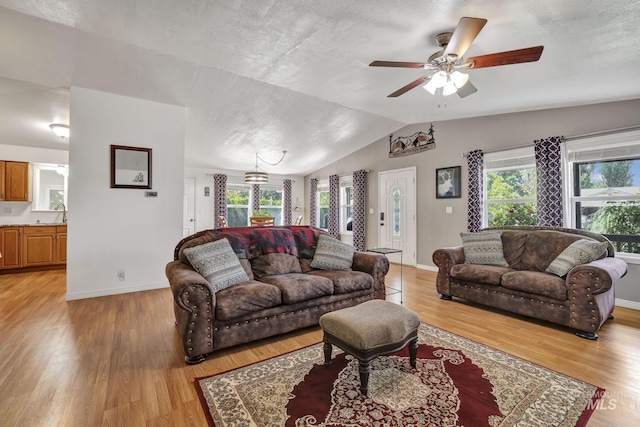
column 284, row 153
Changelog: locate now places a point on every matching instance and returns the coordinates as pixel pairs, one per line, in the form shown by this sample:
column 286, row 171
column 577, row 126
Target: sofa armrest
column 591, row 289
column 377, row 266
column 595, row 277
column 194, row 303
column 444, row 259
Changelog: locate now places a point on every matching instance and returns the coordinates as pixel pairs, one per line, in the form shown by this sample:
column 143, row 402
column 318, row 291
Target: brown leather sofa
column 582, row 300
column 283, row 294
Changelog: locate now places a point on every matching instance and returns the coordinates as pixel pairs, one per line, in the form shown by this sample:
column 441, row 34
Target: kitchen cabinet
column 14, row 181
column 38, row 246
column 61, row 245
column 2, row 173
column 44, row 245
column 10, row 247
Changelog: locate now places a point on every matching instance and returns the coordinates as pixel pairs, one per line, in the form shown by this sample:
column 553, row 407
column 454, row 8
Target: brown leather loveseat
column 583, row 298
column 282, row 293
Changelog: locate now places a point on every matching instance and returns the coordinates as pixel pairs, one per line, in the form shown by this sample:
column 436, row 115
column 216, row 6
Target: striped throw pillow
column 217, row 263
column 484, row 247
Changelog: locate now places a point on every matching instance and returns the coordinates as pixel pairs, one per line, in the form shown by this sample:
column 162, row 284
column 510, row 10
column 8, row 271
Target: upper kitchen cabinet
column 15, row 181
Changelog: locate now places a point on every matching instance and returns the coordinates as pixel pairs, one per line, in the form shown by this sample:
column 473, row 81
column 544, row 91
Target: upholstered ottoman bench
column 368, row 330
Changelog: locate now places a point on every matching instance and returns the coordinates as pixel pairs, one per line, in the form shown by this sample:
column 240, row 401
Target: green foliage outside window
column 237, row 197
column 509, row 185
column 270, row 198
column 621, row 217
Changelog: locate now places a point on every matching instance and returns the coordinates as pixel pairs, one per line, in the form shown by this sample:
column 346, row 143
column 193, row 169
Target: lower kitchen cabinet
column 10, row 248
column 44, row 245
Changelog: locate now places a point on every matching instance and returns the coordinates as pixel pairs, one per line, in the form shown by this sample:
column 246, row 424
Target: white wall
column 121, row 229
column 204, row 204
column 20, row 212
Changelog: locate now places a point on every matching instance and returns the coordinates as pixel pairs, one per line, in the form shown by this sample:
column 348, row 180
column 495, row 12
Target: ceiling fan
column 445, row 63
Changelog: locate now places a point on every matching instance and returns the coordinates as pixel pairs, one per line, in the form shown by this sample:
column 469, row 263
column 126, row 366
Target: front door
column 188, row 207
column 397, row 218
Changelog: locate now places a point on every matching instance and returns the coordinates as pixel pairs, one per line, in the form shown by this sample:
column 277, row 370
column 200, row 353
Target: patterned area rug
column 457, row 382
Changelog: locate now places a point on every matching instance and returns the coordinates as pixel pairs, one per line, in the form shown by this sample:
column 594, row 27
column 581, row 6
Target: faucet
column 64, row 211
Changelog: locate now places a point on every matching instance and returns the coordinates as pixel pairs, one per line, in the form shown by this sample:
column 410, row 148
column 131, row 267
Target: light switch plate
column 448, row 209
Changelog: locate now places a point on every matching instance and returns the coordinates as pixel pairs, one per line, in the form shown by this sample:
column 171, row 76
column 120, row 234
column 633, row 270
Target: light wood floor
column 117, row 360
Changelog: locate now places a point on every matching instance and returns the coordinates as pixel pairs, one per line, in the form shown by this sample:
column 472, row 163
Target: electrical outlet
column 121, row 275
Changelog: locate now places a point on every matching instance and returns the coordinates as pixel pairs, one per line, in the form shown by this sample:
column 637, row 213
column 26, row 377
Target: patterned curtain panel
column 286, row 202
column 219, row 198
column 313, row 202
column 334, row 206
column 474, row 209
column 549, row 181
column 359, row 192
column 255, row 198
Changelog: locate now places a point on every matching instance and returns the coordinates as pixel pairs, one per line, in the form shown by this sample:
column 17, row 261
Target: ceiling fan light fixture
column 430, row 87
column 449, row 88
column 437, row 81
column 459, row 79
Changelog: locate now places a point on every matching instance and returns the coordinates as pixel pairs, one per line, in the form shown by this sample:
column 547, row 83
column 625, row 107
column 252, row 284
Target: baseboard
column 634, row 305
column 427, row 267
column 117, row 291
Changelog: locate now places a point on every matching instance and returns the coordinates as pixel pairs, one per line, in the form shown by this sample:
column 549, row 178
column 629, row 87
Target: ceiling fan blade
column 397, row 64
column 464, row 34
column 410, row 86
column 467, row 89
column 529, row 54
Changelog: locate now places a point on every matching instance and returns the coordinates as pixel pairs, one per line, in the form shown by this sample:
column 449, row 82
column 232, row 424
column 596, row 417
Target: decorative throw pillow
column 484, row 247
column 217, row 263
column 332, row 254
column 579, row 252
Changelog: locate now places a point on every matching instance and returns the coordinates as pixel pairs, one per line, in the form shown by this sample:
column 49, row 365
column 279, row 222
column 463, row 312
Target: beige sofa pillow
column 217, row 263
column 579, row 252
column 484, row 247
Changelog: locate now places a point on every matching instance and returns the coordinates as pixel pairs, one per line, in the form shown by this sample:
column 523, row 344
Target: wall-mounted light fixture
column 61, row 130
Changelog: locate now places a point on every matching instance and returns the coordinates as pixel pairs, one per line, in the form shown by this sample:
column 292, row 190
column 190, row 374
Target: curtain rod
column 568, row 138
column 342, row 176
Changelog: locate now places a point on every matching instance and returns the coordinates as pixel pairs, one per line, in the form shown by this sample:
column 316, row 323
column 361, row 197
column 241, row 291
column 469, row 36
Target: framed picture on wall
column 448, row 183
column 130, row 167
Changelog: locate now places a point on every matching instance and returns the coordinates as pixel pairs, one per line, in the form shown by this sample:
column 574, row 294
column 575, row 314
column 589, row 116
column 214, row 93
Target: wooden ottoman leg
column 413, row 351
column 365, row 370
column 327, row 347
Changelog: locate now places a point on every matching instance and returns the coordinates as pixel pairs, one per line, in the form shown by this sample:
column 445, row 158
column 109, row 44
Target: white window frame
column 323, row 186
column 238, row 185
column 616, row 146
column 42, row 200
column 516, row 158
column 345, row 182
column 278, row 189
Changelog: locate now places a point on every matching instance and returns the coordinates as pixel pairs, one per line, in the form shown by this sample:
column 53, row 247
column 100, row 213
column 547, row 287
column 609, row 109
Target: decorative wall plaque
column 413, row 144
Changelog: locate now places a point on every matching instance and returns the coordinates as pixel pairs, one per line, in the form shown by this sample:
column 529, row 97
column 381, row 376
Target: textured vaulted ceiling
column 293, row 75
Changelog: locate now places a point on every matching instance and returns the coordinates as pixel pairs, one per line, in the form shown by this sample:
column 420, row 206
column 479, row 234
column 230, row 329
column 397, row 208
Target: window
column 323, row 204
column 50, row 183
column 346, row 204
column 271, row 201
column 238, row 205
column 604, row 181
column 509, row 188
